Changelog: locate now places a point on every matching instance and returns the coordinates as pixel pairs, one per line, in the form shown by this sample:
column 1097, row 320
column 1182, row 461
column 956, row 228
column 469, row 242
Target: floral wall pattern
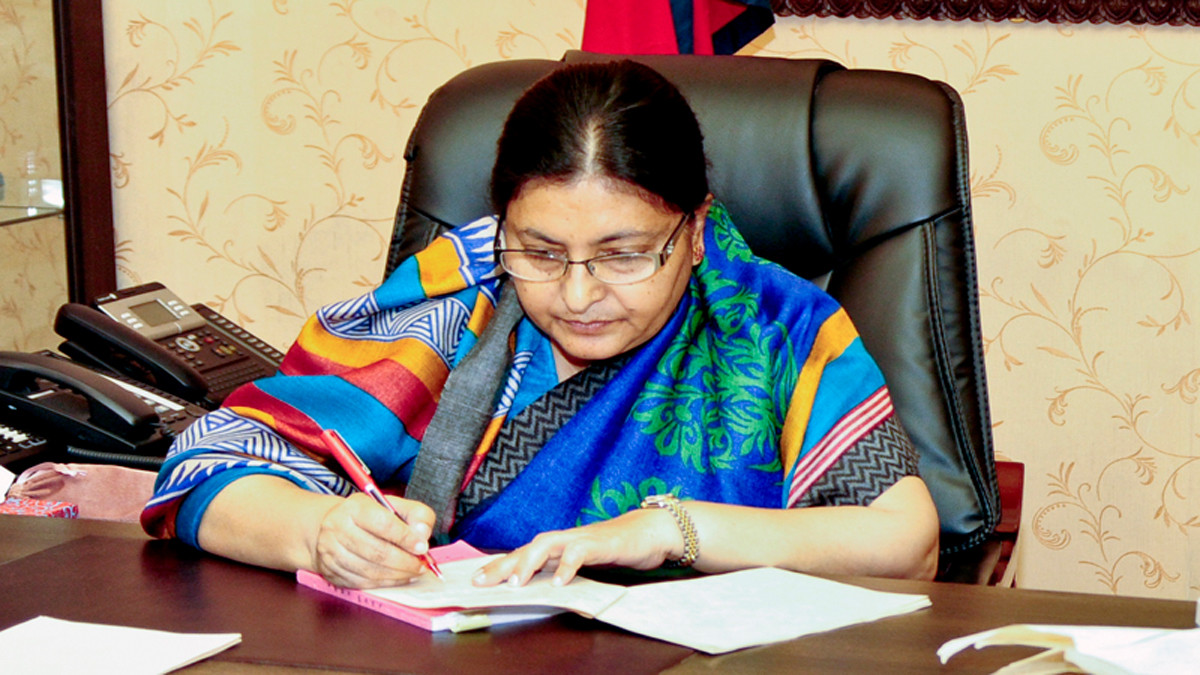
column 257, row 147
column 28, row 93
column 257, row 153
column 1083, row 143
column 33, row 276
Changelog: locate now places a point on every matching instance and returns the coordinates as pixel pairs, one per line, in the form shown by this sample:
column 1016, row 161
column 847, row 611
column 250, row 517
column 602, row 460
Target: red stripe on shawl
column 400, row 390
column 159, row 521
column 489, row 439
column 857, row 423
column 288, row 422
column 300, row 361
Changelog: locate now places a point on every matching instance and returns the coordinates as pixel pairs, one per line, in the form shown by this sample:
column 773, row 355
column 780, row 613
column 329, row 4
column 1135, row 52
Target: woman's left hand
column 641, row 539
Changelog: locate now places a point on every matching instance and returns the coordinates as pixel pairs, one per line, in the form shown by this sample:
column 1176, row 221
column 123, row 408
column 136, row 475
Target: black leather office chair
column 856, row 179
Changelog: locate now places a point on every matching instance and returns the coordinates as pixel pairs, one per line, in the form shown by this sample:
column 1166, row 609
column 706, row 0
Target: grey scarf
column 466, row 405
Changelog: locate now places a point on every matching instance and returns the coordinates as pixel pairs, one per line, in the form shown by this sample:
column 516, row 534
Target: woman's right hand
column 360, row 544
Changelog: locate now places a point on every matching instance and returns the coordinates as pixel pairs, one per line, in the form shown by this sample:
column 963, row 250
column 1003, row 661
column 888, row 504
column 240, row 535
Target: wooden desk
column 106, row 572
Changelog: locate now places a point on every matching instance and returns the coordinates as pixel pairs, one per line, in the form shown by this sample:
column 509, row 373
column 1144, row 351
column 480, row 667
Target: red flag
column 673, row 26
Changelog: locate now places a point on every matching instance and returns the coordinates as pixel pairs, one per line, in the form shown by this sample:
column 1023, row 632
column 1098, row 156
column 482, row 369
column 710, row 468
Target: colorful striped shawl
column 756, row 385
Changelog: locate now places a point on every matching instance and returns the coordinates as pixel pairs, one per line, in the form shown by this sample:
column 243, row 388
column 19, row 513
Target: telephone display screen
column 153, row 313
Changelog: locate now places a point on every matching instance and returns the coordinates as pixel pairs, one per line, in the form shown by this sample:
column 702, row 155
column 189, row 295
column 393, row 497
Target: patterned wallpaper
column 33, row 277
column 257, row 147
column 1085, row 170
column 257, row 158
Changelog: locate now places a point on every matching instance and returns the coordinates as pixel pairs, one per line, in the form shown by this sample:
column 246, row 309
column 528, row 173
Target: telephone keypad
column 15, row 445
column 224, row 364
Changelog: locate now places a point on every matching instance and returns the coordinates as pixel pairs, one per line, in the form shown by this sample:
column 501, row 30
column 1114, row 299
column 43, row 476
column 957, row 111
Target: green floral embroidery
column 712, row 383
column 728, row 238
column 627, row 498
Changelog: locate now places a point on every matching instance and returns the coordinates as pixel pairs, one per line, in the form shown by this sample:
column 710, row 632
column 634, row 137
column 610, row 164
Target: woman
column 607, row 343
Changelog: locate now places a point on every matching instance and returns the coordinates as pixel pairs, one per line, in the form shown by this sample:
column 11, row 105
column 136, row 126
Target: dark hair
column 620, row 120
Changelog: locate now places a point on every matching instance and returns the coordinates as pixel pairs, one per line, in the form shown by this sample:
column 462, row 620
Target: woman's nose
column 580, row 289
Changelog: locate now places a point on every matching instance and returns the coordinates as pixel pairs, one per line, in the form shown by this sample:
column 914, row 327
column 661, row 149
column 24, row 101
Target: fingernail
column 514, row 581
column 421, row 529
column 478, row 579
column 558, row 581
column 421, row 548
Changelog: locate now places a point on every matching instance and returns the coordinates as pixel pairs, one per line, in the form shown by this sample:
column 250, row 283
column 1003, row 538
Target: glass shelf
column 45, row 199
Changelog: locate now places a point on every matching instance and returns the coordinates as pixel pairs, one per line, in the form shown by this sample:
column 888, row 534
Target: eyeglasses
column 613, row 268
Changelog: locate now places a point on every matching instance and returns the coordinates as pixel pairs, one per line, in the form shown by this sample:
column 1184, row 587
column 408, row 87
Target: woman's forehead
column 594, row 181
column 592, row 211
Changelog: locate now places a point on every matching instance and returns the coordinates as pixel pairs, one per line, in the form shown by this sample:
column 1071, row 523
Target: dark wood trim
column 1154, row 12
column 83, row 120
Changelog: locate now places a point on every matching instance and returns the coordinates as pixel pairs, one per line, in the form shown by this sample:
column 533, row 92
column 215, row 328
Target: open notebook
column 714, row 614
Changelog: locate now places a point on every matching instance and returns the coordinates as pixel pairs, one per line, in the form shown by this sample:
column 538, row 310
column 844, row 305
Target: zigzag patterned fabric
column 751, row 392
column 526, row 432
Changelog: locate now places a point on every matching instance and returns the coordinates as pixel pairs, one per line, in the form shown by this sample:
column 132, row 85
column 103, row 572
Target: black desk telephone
column 81, row 414
column 149, row 334
column 143, row 367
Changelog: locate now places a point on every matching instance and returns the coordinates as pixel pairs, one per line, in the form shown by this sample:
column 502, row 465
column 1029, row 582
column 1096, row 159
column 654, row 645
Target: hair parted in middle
column 618, row 120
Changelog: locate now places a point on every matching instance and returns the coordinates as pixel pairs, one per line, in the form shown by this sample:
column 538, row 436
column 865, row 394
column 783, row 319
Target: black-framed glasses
column 612, row 268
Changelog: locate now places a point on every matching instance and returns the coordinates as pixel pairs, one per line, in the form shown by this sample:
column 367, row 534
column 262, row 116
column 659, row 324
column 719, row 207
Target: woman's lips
column 587, row 327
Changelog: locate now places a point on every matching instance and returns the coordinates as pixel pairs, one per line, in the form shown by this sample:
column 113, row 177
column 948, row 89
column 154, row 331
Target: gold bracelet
column 691, row 542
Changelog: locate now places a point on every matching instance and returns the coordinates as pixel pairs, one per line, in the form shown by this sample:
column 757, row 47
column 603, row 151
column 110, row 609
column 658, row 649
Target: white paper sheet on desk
column 724, row 612
column 49, row 646
column 455, row 589
column 1102, row 650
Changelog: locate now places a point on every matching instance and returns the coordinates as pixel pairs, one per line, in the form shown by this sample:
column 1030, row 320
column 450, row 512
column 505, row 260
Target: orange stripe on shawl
column 835, row 334
column 437, row 265
column 480, row 315
column 319, row 351
column 489, row 439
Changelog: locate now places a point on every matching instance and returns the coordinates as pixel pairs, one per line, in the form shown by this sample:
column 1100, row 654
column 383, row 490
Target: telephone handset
column 149, row 334
column 97, row 417
column 95, row 339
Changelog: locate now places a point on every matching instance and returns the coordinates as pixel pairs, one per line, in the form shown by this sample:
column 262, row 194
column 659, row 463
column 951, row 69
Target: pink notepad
column 455, row 619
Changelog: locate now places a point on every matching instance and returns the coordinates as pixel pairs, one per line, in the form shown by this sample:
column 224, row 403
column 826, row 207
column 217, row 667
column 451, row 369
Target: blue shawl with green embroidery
column 757, row 384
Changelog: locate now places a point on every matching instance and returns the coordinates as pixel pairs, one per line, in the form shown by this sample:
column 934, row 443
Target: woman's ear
column 698, row 227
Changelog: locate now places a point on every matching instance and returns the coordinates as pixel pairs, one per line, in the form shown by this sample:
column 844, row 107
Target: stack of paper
column 714, row 614
column 454, row 603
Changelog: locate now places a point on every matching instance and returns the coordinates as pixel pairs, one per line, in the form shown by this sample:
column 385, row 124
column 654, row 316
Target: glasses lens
column 626, row 268
column 532, row 266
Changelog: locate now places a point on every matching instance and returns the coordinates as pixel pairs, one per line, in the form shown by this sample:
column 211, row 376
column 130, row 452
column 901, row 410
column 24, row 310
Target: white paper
column 584, row 596
column 1102, row 650
column 6, row 480
column 714, row 614
column 724, row 612
column 49, row 646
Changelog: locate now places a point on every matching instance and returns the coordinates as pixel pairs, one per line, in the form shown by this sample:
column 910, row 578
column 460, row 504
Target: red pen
column 361, row 475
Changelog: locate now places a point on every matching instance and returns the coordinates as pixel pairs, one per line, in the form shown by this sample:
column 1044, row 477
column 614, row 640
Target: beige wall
column 257, row 147
column 28, row 94
column 257, row 152
column 33, row 276
column 1086, row 192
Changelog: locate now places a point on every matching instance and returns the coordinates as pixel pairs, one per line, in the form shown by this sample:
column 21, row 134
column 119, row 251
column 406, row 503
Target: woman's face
column 586, row 319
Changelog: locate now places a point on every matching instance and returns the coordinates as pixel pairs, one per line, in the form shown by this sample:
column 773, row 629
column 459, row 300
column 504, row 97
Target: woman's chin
column 581, row 353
